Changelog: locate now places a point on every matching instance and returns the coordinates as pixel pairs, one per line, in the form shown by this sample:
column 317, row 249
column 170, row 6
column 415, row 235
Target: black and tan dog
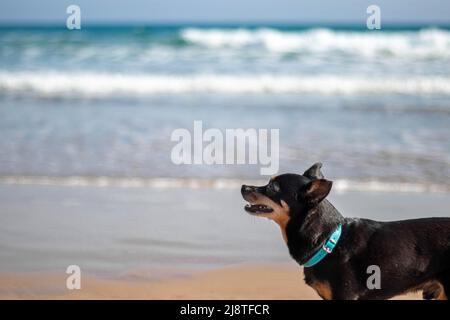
column 411, row 254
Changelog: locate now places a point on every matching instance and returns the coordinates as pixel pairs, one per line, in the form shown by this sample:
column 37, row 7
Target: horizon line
column 230, row 23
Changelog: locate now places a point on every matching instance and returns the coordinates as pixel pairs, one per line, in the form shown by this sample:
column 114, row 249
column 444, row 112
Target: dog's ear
column 316, row 190
column 314, row 172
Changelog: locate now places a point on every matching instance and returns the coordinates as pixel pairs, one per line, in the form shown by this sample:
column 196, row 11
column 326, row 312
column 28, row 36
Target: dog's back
column 410, row 254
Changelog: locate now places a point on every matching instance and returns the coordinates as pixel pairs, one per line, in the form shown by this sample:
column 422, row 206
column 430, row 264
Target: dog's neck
column 307, row 231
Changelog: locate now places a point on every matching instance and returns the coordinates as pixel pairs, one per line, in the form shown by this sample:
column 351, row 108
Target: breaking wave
column 423, row 43
column 74, row 85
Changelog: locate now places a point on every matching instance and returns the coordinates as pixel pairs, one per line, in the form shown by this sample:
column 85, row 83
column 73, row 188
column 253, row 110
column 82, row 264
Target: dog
column 336, row 252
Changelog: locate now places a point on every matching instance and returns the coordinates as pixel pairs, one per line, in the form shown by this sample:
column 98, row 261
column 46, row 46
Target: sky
column 211, row 11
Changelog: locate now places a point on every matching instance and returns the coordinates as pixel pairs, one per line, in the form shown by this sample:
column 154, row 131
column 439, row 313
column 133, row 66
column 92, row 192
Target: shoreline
column 218, row 183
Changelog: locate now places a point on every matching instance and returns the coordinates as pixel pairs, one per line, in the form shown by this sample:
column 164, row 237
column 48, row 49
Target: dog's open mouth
column 257, row 208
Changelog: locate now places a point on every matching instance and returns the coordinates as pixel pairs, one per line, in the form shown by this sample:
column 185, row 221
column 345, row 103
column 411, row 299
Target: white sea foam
column 340, row 185
column 98, row 85
column 423, row 43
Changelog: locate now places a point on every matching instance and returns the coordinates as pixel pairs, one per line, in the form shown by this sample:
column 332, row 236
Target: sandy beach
column 244, row 282
column 127, row 132
column 140, row 243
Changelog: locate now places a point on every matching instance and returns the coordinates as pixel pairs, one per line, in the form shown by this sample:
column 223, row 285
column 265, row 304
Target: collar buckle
column 327, row 249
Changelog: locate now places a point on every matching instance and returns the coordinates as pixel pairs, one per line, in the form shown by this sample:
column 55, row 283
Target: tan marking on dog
column 435, row 287
column 280, row 214
column 282, row 219
column 323, row 289
column 442, row 296
column 430, row 286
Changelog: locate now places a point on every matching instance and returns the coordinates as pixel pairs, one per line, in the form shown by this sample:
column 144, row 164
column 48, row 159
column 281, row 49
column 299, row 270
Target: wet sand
column 150, row 243
column 243, row 282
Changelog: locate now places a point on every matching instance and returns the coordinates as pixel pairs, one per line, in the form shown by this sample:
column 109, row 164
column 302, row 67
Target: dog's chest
column 321, row 286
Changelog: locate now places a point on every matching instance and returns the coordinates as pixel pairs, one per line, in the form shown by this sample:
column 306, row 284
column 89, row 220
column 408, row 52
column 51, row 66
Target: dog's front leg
column 344, row 295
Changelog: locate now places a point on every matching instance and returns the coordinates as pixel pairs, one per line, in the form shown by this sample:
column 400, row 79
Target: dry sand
column 243, row 282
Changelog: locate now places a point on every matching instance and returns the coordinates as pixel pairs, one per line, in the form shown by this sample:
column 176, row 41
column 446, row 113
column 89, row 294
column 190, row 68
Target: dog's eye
column 274, row 187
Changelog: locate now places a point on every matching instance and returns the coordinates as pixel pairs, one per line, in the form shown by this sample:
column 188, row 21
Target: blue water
column 103, row 101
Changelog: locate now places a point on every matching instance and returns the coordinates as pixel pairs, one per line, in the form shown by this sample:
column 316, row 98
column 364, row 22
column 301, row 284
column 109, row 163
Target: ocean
column 98, row 106
column 86, row 118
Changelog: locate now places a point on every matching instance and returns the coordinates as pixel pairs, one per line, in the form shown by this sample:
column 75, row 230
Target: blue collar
column 326, row 248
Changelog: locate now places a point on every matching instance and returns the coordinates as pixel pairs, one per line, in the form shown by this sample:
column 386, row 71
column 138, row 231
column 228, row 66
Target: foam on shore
column 340, row 185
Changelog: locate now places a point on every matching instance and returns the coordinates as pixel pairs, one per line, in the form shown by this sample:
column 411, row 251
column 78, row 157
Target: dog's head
column 287, row 194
